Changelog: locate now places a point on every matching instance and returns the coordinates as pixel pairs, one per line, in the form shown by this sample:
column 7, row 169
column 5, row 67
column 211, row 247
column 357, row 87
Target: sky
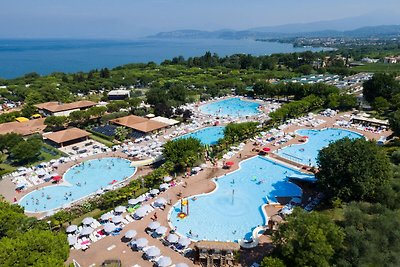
column 128, row 19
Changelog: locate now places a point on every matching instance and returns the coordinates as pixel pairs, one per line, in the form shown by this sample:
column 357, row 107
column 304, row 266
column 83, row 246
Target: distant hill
column 370, row 31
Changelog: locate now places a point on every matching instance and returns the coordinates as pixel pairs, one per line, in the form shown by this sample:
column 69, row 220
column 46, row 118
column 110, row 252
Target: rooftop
column 23, row 128
column 57, row 106
column 217, row 245
column 139, row 123
column 66, row 135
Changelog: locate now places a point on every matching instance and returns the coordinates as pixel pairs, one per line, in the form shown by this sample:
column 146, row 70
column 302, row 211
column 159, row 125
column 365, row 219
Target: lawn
column 102, row 140
column 378, row 67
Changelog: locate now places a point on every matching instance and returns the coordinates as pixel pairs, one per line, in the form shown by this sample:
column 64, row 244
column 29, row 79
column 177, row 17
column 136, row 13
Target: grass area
column 102, row 140
column 378, row 67
column 96, row 213
column 6, row 168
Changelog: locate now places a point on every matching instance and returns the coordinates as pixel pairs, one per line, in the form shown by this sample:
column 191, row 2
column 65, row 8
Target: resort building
column 24, row 128
column 61, row 109
column 370, row 121
column 216, row 253
column 119, row 94
column 140, row 126
column 67, row 137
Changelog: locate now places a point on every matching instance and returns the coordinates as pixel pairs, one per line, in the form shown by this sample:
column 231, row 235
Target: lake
column 18, row 57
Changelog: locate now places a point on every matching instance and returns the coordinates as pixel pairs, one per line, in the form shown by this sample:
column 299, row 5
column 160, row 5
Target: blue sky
column 135, row 18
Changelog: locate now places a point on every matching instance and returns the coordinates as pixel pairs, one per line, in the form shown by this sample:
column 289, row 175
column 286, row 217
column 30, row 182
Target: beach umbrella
column 41, row 172
column 147, row 208
column 86, row 230
column 120, row 209
column 172, row 238
column 154, row 225
column 140, row 213
column 56, row 164
column 43, row 164
column 109, row 227
column 164, row 186
column 71, row 240
column 88, row 220
column 181, row 265
column 117, row 219
column 130, row 234
column 196, row 169
column 154, row 191
column 161, row 230
column 167, row 179
column 53, row 161
column 20, row 169
column 106, row 216
column 160, row 202
column 184, row 241
column 133, row 202
column 72, row 228
column 141, row 242
column 266, row 149
column 99, row 192
column 47, row 177
column 229, row 163
column 153, row 252
column 141, row 198
column 56, row 178
column 164, row 261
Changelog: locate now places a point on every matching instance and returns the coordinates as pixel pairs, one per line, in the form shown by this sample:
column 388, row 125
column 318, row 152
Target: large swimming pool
column 234, row 209
column 79, row 181
column 233, row 107
column 307, row 152
column 207, row 136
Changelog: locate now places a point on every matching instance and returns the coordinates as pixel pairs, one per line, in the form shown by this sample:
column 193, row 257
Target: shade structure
column 109, row 227
column 86, row 230
column 120, row 209
column 172, row 238
column 164, row 261
column 229, row 163
column 88, row 220
column 153, row 252
column 20, row 185
column 133, row 202
column 72, row 228
column 161, row 230
column 71, row 240
column 153, row 225
column 140, row 212
column 184, row 241
column 141, row 198
column 106, row 216
column 160, row 202
column 130, row 234
column 167, row 179
column 266, row 149
column 41, row 172
column 57, row 178
column 117, row 219
column 147, row 208
column 154, row 191
column 181, row 265
column 164, row 186
column 141, row 242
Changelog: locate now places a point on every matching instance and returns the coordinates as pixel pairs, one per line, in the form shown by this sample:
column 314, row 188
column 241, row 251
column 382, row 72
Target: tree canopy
column 183, row 152
column 308, row 239
column 353, row 170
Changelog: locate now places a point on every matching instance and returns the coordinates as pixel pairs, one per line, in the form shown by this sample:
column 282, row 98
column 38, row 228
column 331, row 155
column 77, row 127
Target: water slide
column 255, row 239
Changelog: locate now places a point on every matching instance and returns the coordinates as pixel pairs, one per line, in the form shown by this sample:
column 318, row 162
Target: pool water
column 234, row 209
column 232, row 107
column 307, row 152
column 81, row 180
column 207, row 136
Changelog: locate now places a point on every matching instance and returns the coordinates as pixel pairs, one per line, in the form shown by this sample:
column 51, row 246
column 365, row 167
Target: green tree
column 353, row 170
column 380, row 104
column 308, row 239
column 381, row 84
column 9, row 140
column 26, row 151
column 183, row 152
column 272, row 262
column 121, row 133
column 56, row 121
column 394, row 121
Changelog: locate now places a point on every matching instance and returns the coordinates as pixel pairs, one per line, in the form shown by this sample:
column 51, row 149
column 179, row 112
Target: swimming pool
column 233, row 107
column 207, row 136
column 234, row 208
column 79, row 181
column 307, row 152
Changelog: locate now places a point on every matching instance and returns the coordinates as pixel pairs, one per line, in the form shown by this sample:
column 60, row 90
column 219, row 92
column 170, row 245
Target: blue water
column 207, row 136
column 18, row 57
column 234, row 209
column 233, row 107
column 92, row 175
column 307, row 152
